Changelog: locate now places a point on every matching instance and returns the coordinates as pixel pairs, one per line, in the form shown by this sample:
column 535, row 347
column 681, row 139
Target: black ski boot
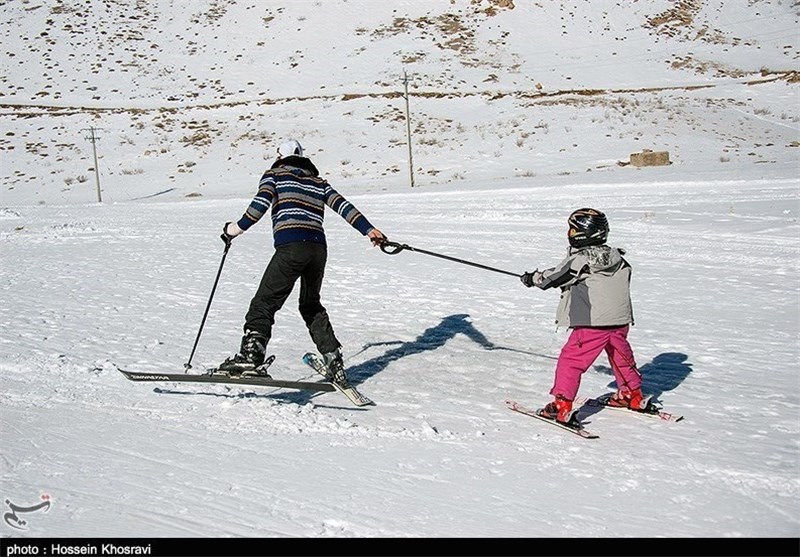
column 335, row 364
column 250, row 357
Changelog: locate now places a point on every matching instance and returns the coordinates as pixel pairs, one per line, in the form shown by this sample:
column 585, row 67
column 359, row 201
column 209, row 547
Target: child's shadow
column 666, row 372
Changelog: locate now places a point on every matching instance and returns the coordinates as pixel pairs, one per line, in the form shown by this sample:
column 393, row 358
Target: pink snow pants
column 581, row 350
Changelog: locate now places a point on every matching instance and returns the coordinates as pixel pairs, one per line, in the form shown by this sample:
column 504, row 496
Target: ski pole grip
column 392, row 248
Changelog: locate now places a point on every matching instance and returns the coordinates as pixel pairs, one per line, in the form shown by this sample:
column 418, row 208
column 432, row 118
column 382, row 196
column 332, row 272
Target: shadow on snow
column 665, row 373
column 279, row 393
column 431, row 339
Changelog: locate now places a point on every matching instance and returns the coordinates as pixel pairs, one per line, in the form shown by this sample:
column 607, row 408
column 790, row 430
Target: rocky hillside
column 188, row 97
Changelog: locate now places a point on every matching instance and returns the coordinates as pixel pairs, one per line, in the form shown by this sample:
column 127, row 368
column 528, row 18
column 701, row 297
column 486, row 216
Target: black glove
column 227, row 238
column 527, row 279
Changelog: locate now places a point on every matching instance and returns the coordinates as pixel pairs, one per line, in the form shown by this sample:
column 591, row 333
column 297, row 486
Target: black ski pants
column 298, row 260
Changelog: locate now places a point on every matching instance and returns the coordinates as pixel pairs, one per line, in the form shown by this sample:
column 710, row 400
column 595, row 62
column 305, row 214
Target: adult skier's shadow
column 431, row 339
column 242, row 392
column 665, row 373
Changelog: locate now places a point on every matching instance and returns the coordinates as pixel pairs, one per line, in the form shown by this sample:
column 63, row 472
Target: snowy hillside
column 186, row 97
column 521, row 112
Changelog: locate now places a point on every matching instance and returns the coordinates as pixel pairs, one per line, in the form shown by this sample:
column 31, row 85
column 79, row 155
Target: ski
column 578, row 429
column 315, row 362
column 215, row 376
column 651, row 410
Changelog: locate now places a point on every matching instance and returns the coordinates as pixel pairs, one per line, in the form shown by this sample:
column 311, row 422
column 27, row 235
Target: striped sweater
column 296, row 197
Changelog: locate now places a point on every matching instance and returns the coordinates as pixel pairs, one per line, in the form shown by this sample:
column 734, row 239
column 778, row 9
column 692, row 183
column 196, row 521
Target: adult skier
column 295, row 195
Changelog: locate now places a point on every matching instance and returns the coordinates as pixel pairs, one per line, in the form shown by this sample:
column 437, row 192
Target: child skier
column 595, row 303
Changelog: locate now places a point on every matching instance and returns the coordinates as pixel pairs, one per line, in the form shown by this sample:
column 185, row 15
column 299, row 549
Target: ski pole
column 188, row 365
column 397, row 248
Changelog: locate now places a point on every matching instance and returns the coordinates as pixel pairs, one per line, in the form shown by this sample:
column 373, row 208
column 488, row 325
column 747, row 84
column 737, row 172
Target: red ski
column 572, row 426
column 650, row 410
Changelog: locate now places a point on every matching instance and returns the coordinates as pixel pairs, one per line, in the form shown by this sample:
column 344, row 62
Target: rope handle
column 395, row 247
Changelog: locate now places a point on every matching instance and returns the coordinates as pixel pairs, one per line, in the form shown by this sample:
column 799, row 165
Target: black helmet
column 587, row 227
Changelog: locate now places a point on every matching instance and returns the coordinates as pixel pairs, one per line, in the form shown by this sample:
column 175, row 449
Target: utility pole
column 93, row 138
column 408, row 130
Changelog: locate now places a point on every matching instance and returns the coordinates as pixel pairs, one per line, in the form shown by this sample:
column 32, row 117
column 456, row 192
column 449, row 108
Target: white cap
column 289, row 148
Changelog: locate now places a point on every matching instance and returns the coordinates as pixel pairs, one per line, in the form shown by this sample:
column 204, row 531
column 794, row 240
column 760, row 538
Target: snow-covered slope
column 436, row 344
column 521, row 112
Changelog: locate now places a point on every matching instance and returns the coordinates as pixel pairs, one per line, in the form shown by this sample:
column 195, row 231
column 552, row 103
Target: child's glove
column 527, row 279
